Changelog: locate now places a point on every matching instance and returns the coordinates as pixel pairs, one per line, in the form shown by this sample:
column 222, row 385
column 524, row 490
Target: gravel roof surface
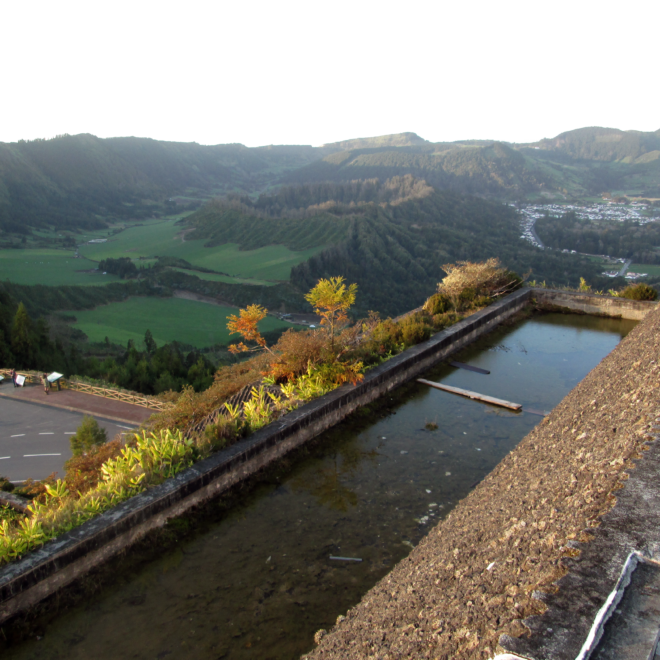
column 472, row 578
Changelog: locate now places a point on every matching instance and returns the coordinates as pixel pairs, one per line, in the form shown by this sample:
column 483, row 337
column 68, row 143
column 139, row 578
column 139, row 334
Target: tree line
column 25, row 343
column 626, row 240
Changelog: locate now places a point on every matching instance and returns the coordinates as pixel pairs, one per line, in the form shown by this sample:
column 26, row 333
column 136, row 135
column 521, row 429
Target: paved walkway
column 79, row 402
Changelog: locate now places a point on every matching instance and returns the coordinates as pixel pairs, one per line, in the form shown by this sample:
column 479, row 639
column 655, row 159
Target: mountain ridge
column 82, row 181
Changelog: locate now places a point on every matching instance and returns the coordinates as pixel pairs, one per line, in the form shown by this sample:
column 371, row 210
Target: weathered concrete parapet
column 62, row 560
column 591, row 303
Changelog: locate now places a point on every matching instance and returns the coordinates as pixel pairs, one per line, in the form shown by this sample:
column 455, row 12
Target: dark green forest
column 628, row 240
column 393, row 250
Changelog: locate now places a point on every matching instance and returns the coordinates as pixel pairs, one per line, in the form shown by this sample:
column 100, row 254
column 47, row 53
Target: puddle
column 259, row 581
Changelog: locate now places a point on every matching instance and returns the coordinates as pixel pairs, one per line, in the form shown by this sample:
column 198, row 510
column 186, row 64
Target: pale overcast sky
column 305, row 72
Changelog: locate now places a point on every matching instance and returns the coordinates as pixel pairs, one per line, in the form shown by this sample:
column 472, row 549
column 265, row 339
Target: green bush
column 89, row 434
column 442, row 321
column 438, row 303
column 415, row 333
column 640, row 291
column 6, row 485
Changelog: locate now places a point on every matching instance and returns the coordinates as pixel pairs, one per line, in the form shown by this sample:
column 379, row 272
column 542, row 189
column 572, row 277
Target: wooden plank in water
column 469, row 367
column 472, row 395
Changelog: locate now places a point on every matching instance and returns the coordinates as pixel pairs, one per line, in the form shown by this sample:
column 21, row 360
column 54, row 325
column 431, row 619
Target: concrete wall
column 62, row 560
column 590, row 303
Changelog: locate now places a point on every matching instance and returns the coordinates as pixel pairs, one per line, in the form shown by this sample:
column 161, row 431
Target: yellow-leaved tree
column 331, row 300
column 246, row 325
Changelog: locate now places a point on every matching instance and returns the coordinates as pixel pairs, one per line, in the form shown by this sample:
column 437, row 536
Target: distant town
column 608, row 211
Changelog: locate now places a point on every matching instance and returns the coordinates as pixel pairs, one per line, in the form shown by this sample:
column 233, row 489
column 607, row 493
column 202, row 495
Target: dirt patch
column 473, row 577
column 189, row 295
column 181, row 236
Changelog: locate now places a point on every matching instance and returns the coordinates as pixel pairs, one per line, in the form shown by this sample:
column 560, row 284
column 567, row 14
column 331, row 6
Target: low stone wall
column 61, row 561
column 590, row 303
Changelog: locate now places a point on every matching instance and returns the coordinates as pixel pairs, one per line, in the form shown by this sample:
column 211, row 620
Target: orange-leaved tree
column 245, row 324
column 331, row 299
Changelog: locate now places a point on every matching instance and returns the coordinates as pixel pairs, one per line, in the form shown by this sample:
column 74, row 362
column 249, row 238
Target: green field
column 215, row 277
column 653, row 270
column 163, row 238
column 169, row 319
column 49, row 266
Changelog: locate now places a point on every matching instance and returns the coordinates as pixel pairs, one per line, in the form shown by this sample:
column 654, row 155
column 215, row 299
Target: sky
column 313, row 72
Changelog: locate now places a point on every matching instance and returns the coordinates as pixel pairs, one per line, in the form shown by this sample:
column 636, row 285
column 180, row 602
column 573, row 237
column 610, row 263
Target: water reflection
column 327, row 482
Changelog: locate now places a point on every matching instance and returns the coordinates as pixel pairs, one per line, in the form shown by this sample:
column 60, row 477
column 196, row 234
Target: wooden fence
column 117, row 395
column 30, row 376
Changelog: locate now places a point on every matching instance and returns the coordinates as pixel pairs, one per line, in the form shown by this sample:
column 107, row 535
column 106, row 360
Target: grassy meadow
column 163, row 238
column 652, row 270
column 49, row 266
column 169, row 319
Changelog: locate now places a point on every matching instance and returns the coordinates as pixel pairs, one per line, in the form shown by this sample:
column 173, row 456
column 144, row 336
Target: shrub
column 6, row 485
column 466, row 298
column 442, row 321
column 415, row 333
column 640, row 291
column 83, row 471
column 221, row 432
column 438, row 303
column 485, row 278
column 295, row 351
column 89, row 434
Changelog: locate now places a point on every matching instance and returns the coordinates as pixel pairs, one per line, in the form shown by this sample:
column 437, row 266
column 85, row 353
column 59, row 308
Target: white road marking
column 125, row 427
column 34, row 455
column 2, row 458
column 48, row 433
column 18, row 435
column 69, row 432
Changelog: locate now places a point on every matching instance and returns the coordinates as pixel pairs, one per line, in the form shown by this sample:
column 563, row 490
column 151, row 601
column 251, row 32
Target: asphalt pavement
column 34, row 438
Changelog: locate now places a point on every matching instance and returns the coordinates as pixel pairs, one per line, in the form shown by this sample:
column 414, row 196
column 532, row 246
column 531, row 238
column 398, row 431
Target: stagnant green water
column 257, row 582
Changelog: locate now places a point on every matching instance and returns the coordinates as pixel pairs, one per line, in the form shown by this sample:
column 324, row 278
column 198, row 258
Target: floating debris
column 345, row 558
column 471, row 395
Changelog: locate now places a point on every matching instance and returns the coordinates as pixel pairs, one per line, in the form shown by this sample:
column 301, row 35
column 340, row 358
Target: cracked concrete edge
column 572, row 625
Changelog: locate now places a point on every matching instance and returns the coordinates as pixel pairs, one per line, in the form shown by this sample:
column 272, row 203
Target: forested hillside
column 394, row 249
column 494, row 169
column 604, row 144
column 81, row 181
